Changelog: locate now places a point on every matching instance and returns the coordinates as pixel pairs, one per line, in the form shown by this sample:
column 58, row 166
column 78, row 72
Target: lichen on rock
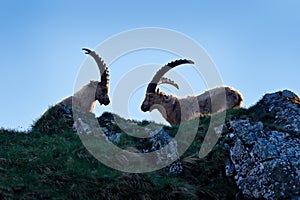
column 267, row 161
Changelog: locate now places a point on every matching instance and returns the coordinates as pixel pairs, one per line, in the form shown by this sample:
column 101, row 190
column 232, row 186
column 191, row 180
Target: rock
column 266, row 161
column 282, row 108
column 166, row 155
column 262, row 158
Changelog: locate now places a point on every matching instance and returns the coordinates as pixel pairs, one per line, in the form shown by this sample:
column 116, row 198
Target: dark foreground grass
column 42, row 166
column 35, row 165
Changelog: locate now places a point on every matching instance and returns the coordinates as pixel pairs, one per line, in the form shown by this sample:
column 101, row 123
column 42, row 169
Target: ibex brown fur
column 175, row 109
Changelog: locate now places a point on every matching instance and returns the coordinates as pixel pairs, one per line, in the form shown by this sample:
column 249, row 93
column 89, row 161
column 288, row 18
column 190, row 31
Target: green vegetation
column 50, row 162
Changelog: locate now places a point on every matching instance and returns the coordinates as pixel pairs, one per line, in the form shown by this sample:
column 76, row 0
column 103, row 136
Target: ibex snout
column 147, row 103
column 106, row 101
column 144, row 107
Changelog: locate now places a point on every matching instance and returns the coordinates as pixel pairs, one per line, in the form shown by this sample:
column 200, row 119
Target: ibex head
column 234, row 98
column 101, row 93
column 154, row 98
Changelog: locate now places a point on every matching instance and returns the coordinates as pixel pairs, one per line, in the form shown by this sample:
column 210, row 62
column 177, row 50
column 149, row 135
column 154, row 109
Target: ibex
column 83, row 101
column 94, row 91
column 175, row 109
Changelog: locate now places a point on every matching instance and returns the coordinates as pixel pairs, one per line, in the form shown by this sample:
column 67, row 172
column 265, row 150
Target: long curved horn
column 160, row 73
column 165, row 80
column 104, row 74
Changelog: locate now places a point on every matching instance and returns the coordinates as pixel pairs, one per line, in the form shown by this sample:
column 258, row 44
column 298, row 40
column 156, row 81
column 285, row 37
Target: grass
column 50, row 162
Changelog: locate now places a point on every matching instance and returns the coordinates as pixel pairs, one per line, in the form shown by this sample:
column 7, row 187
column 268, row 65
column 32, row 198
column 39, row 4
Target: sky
column 255, row 46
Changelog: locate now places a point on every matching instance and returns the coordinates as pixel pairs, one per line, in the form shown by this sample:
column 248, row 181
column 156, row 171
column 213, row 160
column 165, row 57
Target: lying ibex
column 94, row 91
column 175, row 109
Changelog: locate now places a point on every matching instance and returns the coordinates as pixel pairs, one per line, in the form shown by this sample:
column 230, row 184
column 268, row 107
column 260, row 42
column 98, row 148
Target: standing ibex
column 94, row 91
column 83, row 101
column 175, row 109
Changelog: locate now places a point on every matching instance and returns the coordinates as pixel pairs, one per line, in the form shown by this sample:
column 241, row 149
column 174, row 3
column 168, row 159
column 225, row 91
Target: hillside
column 257, row 156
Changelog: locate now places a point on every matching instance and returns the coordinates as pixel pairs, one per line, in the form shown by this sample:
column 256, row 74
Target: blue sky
column 254, row 44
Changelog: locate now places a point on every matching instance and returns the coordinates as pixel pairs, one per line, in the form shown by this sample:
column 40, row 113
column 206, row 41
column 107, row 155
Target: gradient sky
column 254, row 44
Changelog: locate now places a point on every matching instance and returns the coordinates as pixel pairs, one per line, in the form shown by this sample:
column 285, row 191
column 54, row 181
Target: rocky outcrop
column 265, row 155
column 261, row 157
column 282, row 109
